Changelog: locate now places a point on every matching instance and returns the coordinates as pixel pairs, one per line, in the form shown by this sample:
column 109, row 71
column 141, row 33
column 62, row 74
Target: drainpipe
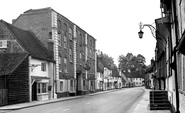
column 175, row 60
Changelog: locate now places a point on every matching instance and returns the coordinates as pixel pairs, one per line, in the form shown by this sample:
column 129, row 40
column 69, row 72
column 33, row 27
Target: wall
column 18, row 84
column 36, row 71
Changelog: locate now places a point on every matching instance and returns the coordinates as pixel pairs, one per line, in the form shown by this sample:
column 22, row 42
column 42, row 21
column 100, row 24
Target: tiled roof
column 9, row 62
column 30, row 43
column 104, row 64
column 134, row 74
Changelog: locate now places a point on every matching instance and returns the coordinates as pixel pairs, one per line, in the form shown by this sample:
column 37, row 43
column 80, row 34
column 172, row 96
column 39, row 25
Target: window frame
column 43, row 67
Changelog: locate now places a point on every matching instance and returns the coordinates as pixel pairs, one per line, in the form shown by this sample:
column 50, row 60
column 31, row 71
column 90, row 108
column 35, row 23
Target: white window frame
column 61, row 86
column 65, row 41
column 65, row 63
column 43, row 67
column 70, row 55
column 40, row 87
column 60, row 63
column 3, row 43
column 70, row 34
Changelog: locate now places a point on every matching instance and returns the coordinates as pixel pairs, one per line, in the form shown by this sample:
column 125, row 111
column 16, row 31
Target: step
column 159, row 104
column 159, row 101
column 159, row 108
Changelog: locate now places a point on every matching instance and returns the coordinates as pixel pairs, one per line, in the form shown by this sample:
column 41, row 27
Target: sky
column 113, row 23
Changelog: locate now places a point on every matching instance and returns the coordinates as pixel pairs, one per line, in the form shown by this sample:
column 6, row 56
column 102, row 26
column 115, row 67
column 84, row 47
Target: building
column 117, row 79
column 99, row 75
column 27, row 68
column 170, row 52
column 70, row 46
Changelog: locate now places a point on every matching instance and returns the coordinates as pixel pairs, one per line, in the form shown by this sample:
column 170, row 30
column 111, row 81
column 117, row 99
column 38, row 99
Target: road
column 116, row 101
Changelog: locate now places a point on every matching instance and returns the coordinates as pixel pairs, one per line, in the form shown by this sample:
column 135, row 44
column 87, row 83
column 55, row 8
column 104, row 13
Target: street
column 117, row 101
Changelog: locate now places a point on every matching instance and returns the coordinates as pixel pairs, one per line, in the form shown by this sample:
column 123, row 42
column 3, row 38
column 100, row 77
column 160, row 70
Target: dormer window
column 3, row 43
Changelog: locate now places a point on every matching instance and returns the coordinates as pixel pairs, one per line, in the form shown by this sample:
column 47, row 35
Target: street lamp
column 141, row 26
column 174, row 64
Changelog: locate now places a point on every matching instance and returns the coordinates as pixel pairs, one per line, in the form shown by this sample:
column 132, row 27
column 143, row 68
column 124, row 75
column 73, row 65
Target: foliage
column 107, row 59
column 132, row 63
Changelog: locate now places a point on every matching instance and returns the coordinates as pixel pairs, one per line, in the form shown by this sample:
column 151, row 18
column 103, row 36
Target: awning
column 39, row 77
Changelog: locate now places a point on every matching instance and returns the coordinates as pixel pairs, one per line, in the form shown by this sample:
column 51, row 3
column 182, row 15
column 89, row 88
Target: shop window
column 42, row 88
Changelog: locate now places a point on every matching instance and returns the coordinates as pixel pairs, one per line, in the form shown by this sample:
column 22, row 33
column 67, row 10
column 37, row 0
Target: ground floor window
column 71, row 85
column 91, row 85
column 83, row 84
column 42, row 88
column 61, row 85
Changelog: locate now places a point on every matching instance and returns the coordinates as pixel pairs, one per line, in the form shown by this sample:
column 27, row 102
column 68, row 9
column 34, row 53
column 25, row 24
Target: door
column 3, row 91
column 34, row 91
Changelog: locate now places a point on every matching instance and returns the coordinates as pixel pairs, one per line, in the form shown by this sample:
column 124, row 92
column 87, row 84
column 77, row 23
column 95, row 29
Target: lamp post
column 174, row 64
column 141, row 26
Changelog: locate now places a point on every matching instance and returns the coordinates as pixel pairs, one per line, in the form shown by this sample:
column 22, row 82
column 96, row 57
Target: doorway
column 34, row 91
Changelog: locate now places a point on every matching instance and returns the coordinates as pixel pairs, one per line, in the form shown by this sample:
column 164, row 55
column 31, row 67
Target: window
column 65, row 42
column 59, row 24
column 71, row 85
column 65, row 65
column 50, row 35
column 70, row 34
column 60, row 63
column 42, row 88
column 61, row 85
column 70, row 55
column 3, row 43
column 81, row 39
column 83, row 84
column 65, row 29
column 80, row 55
column 59, row 39
column 38, row 88
column 43, row 66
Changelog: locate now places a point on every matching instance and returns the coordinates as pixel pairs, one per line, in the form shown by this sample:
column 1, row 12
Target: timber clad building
column 21, row 52
column 72, row 48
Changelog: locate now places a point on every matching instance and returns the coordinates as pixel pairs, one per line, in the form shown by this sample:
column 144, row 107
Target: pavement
column 140, row 106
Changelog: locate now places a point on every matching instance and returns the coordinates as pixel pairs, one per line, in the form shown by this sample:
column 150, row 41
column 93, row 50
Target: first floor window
column 43, row 66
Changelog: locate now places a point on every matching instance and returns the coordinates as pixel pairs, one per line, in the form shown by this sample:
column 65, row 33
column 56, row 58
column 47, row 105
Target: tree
column 107, row 59
column 132, row 63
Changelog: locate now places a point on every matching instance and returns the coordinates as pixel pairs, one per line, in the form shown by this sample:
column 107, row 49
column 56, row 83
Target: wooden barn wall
column 18, row 84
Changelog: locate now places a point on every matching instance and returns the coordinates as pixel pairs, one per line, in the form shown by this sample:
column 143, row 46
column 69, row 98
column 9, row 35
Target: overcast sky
column 113, row 23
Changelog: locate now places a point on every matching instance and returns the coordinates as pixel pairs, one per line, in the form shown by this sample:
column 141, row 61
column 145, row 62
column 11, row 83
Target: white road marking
column 65, row 109
column 88, row 103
